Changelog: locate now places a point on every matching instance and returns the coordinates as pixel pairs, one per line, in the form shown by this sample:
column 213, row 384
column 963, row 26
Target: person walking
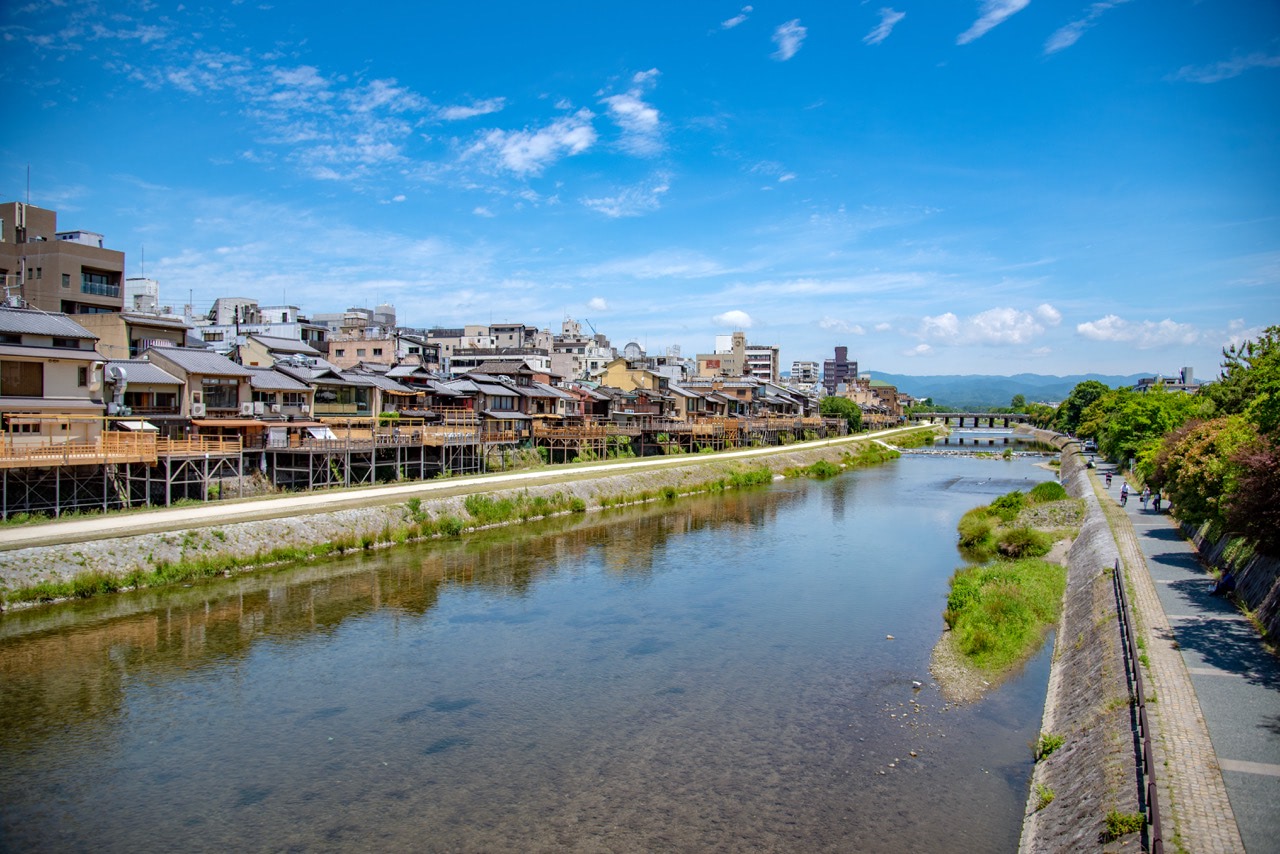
column 1108, row 480
column 1145, row 497
column 1155, row 501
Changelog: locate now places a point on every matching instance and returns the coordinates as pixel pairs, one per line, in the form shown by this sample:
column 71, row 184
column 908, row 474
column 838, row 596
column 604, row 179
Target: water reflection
column 713, row 673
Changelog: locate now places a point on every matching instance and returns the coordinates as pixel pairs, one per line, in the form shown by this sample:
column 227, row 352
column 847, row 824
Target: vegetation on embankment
column 998, row 613
column 999, row 610
column 88, row 569
column 1020, row 525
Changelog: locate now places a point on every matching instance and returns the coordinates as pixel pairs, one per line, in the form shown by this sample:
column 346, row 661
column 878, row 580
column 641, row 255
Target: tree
column 1131, row 425
column 1081, row 398
column 1197, row 470
column 1249, row 383
column 834, row 406
column 1019, row 403
column 1253, row 510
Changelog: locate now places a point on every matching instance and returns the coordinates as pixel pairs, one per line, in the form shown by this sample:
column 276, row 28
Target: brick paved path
column 1197, row 812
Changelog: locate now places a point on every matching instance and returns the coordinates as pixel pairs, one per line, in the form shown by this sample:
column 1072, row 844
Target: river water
column 708, row 674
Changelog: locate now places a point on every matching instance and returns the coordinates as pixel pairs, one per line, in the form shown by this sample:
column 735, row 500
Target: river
column 721, row 673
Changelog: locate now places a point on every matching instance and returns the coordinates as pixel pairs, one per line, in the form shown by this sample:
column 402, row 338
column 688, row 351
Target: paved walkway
column 1218, row 690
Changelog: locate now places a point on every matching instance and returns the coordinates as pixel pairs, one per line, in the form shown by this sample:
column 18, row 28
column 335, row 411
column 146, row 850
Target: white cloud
column 1144, row 335
column 992, row 13
column 918, row 350
column 835, row 324
column 632, row 201
column 483, row 211
column 788, row 37
column 1228, row 68
column 1049, row 314
column 736, row 19
column 1071, row 33
column 476, row 108
column 639, row 121
column 737, row 319
column 530, row 151
column 883, row 327
column 598, row 304
column 788, row 176
column 889, row 18
column 994, row 326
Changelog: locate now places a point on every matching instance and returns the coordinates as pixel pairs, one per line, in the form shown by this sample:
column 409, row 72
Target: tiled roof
column 154, row 320
column 285, row 345
column 198, row 361
column 30, row 321
column 143, row 373
column 267, row 379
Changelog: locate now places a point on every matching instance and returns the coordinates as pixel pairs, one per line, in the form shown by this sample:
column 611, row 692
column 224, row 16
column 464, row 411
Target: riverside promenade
column 1218, row 690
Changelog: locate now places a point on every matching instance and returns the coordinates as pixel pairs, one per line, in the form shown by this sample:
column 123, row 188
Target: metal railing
column 1133, row 669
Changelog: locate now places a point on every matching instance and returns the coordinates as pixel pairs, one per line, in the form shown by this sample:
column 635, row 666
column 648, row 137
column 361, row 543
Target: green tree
column 834, row 406
column 1249, row 383
column 1197, row 468
column 1131, row 425
column 1071, row 410
column 1019, row 403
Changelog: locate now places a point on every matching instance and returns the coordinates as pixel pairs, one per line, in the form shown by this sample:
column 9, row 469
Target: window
column 98, row 284
column 66, row 280
column 340, row 352
column 21, row 379
column 360, row 351
column 67, row 343
column 212, row 336
column 82, row 377
column 10, row 338
column 377, row 351
column 220, row 392
column 39, row 272
column 295, row 398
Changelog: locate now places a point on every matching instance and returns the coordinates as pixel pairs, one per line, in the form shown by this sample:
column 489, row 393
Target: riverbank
column 1087, row 706
column 219, row 539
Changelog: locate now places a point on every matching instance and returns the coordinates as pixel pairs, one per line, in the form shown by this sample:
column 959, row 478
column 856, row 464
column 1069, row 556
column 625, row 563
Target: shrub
column 1049, row 490
column 1008, row 506
column 1044, row 796
column 1023, row 542
column 999, row 612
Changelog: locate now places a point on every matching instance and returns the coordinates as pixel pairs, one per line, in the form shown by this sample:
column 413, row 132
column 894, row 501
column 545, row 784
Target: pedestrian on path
column 1124, row 493
column 1155, row 501
column 1145, row 497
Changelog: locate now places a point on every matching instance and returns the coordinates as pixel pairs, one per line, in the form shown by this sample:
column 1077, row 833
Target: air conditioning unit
column 259, row 407
column 306, row 410
column 246, row 408
column 197, row 410
column 275, row 409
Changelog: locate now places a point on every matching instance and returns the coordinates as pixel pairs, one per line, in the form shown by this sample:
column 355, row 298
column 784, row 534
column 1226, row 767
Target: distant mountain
column 978, row 391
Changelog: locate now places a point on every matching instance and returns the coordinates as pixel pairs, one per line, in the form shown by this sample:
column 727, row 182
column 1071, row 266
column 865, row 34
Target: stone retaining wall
column 1088, row 697
column 1257, row 579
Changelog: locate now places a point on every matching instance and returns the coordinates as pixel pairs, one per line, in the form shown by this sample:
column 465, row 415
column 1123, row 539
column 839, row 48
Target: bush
column 999, row 612
column 1008, row 506
column 1049, row 490
column 1023, row 542
column 1047, row 744
column 1122, row 824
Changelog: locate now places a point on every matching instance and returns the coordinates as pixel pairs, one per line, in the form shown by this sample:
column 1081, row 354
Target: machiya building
column 67, row 272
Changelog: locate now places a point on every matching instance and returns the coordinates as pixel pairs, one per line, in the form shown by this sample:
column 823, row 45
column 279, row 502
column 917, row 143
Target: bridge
column 974, row 419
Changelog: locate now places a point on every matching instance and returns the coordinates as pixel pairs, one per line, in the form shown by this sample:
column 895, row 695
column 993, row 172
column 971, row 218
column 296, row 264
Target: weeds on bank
column 1047, row 744
column 1122, row 824
column 992, row 531
column 1044, row 796
column 998, row 612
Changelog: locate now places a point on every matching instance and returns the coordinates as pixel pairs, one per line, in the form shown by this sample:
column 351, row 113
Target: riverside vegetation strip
column 999, row 610
column 53, row 573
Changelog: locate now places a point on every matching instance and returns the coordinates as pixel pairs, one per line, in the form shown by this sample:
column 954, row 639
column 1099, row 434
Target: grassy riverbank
column 160, row 559
column 999, row 609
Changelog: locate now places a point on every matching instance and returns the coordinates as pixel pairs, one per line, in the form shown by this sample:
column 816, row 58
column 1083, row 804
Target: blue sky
column 996, row 186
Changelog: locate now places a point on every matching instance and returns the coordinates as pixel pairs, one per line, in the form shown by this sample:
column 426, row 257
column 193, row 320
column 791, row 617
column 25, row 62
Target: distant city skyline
column 997, row 187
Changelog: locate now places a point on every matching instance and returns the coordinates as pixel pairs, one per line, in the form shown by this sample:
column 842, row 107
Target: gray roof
column 30, row 321
column 204, row 362
column 284, row 345
column 389, row 385
column 143, row 373
column 267, row 379
column 154, row 320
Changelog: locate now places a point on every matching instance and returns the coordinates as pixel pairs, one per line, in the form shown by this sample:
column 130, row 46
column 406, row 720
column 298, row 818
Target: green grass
column 998, row 612
column 1044, row 796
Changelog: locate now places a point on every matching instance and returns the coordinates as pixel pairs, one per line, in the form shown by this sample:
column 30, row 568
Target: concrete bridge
column 974, row 419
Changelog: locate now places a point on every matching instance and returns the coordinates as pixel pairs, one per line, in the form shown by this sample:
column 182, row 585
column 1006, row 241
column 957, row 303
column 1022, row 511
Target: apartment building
column 839, row 371
column 69, row 272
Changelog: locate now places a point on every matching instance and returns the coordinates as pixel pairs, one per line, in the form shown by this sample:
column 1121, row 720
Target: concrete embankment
column 1257, row 577
column 211, row 531
column 1087, row 703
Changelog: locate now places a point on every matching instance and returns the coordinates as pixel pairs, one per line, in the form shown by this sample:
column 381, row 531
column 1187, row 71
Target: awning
column 322, row 433
column 137, row 425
